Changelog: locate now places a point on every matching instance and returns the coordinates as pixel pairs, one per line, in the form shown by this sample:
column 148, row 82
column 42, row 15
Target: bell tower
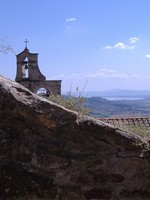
column 28, row 73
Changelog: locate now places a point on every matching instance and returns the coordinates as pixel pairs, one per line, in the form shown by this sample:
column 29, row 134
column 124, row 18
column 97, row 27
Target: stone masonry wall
column 48, row 152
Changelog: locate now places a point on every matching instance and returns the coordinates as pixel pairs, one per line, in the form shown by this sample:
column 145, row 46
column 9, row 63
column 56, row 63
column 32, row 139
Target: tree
column 4, row 47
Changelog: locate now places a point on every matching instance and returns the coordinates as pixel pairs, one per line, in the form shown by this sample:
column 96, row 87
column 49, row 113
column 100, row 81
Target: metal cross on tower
column 26, row 42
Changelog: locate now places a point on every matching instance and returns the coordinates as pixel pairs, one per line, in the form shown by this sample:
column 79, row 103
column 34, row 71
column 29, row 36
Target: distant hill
column 106, row 108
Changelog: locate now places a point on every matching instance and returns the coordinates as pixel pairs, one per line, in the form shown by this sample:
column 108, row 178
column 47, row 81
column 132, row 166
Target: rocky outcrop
column 48, row 152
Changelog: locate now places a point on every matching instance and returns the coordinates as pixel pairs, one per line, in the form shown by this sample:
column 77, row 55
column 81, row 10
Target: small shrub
column 75, row 102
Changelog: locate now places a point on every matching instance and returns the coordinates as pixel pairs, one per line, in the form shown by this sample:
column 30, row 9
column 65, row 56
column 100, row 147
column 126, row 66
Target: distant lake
column 122, row 98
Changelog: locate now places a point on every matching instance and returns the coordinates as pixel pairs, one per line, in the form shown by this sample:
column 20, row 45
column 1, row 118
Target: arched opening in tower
column 25, row 69
column 43, row 92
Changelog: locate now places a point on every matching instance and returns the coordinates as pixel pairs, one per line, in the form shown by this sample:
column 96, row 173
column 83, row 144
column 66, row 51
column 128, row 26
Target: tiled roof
column 139, row 125
column 133, row 121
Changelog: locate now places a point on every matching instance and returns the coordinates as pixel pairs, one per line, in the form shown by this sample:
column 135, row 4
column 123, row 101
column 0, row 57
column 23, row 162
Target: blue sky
column 105, row 43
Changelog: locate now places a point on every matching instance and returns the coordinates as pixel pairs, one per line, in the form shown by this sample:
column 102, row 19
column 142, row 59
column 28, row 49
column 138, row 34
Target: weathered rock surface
column 50, row 153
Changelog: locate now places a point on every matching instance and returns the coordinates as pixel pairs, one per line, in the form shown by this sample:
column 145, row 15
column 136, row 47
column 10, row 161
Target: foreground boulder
column 48, row 152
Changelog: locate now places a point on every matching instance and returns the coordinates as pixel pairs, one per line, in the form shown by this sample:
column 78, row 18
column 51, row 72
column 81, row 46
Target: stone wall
column 53, row 87
column 48, row 152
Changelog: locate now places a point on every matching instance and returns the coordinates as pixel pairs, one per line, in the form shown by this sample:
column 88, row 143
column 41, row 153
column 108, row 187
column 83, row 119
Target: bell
column 26, row 66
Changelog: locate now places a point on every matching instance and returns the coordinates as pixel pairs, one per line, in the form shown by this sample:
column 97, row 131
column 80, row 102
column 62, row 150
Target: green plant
column 75, row 102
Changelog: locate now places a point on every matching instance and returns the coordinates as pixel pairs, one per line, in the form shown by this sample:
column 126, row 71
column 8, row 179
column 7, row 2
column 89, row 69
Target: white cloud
column 119, row 45
column 135, row 76
column 71, row 19
column 102, row 73
column 107, row 73
column 122, row 45
column 108, row 47
column 133, row 40
column 147, row 56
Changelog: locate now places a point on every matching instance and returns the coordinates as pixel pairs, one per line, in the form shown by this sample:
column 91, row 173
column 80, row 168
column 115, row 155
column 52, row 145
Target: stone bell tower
column 29, row 75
